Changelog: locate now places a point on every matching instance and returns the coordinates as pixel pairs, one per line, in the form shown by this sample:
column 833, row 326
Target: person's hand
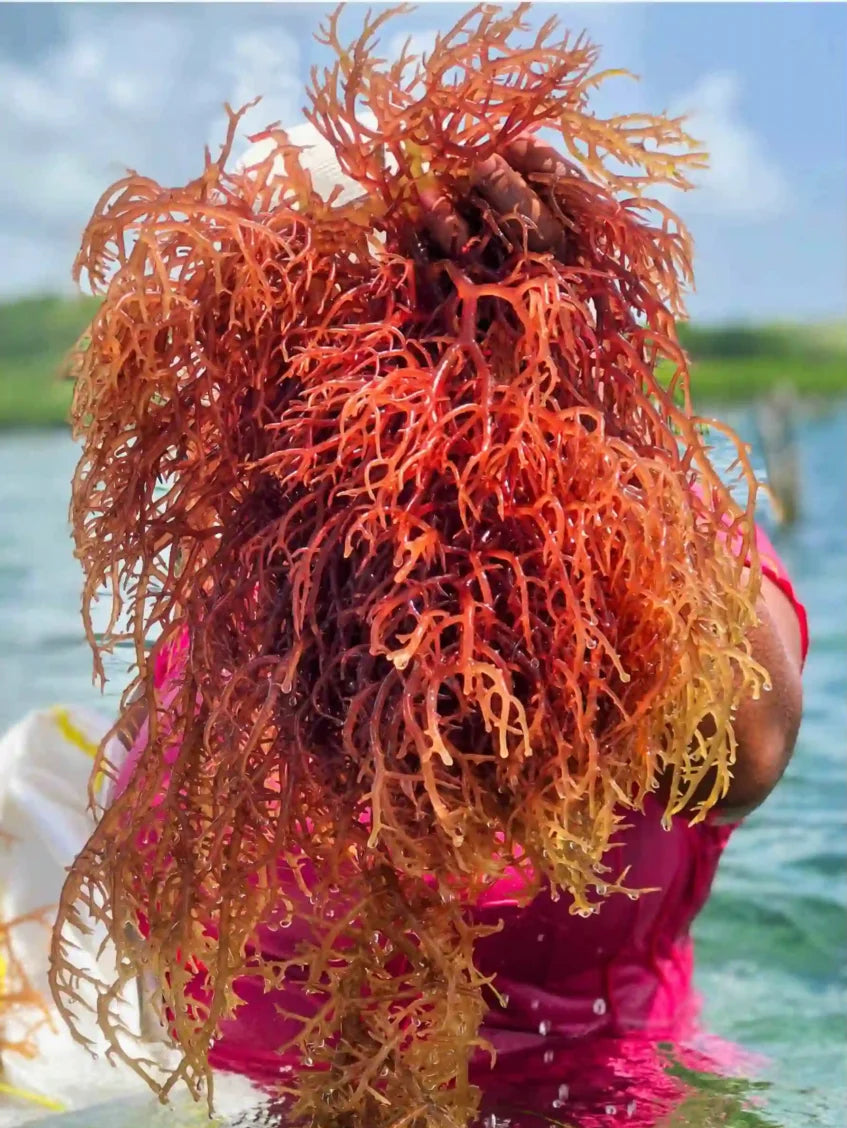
column 504, row 180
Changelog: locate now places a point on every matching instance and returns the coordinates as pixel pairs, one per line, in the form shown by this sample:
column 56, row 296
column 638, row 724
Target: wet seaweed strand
column 431, row 528
column 19, row 999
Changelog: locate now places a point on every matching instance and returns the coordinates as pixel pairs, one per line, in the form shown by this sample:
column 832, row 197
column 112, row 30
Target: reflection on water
column 704, row 1100
column 771, row 965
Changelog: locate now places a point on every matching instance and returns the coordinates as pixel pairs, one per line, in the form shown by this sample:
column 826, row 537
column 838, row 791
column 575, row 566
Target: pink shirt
column 582, row 993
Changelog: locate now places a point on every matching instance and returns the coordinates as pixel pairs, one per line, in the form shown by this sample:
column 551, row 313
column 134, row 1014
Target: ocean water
column 771, row 942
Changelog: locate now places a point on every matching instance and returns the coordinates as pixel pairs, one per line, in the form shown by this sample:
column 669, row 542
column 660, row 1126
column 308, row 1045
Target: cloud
column 743, row 182
column 262, row 65
column 135, row 87
column 142, row 86
column 106, row 87
column 418, row 43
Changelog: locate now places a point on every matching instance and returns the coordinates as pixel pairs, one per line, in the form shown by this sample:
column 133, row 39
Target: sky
column 88, row 90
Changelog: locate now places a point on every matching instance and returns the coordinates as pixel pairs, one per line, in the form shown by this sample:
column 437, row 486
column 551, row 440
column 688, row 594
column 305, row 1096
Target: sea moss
column 458, row 579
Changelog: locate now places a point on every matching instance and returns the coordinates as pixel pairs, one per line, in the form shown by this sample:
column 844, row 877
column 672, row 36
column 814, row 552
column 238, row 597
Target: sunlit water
column 772, row 938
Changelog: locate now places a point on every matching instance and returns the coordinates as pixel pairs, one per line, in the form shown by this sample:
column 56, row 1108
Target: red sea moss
column 18, row 997
column 448, row 555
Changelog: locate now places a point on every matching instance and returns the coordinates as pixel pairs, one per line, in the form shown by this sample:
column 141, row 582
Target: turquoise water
column 772, row 939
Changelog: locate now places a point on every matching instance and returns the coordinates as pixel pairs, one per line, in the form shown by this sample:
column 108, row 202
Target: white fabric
column 45, row 764
column 317, row 155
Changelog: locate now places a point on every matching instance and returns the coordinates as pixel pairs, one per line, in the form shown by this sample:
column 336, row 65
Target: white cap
column 317, row 155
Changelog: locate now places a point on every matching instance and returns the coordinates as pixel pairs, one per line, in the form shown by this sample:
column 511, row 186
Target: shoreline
column 720, row 398
column 731, row 365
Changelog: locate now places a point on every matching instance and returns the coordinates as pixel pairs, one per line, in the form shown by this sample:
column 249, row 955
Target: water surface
column 772, row 938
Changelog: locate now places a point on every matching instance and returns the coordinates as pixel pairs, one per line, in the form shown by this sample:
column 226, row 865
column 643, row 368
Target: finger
column 533, row 158
column 443, row 223
column 510, row 195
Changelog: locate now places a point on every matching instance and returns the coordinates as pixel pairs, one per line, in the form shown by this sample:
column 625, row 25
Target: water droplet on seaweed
column 544, row 1027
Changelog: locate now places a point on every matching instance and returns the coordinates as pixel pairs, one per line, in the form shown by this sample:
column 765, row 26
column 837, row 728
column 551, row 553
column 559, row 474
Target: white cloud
column 419, row 42
column 139, row 87
column 142, row 86
column 262, row 65
column 743, row 182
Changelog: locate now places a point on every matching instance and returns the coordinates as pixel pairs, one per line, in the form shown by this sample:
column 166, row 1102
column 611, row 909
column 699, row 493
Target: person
column 581, row 1003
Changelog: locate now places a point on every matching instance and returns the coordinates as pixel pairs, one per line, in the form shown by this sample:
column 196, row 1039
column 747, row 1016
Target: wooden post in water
column 150, row 1026
column 775, row 420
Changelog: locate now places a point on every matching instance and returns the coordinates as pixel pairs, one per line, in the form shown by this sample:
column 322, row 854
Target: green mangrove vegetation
column 730, row 363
